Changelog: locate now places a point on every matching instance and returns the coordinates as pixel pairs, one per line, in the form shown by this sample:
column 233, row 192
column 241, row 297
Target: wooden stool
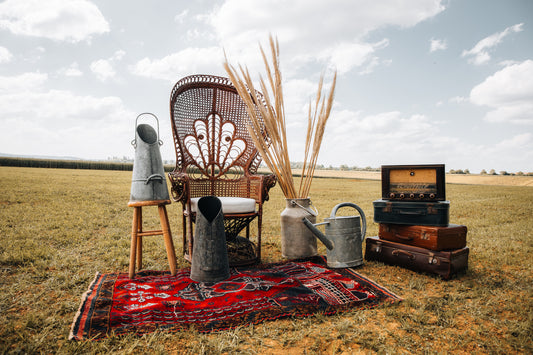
column 137, row 234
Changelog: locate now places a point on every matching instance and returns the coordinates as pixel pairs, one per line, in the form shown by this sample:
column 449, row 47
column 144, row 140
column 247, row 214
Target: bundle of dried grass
column 274, row 149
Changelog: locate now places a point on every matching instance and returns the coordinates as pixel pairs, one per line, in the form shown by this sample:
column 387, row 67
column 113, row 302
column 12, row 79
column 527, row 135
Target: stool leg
column 169, row 245
column 139, row 240
column 133, row 248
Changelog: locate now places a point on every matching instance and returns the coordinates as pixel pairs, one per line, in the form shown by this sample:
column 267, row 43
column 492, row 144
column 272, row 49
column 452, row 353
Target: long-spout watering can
column 343, row 237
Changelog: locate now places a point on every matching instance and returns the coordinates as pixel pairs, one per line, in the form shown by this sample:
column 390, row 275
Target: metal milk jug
column 297, row 241
column 343, row 237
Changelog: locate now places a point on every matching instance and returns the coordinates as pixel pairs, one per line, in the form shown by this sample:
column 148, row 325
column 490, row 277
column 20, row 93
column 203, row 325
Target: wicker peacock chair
column 215, row 155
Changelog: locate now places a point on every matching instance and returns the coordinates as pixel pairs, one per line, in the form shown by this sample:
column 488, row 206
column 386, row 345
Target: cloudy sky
column 419, row 81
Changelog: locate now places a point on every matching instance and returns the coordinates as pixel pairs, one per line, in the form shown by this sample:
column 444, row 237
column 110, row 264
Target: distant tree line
column 127, row 165
column 70, row 164
column 491, row 172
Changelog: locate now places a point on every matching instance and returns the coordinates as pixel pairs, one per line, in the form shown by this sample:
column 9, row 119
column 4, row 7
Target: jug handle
column 312, row 212
column 134, row 141
column 349, row 204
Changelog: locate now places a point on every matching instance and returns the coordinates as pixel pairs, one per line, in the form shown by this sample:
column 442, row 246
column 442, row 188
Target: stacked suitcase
column 414, row 228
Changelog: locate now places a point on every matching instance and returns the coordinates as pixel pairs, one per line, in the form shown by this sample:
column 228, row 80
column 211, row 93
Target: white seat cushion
column 230, row 204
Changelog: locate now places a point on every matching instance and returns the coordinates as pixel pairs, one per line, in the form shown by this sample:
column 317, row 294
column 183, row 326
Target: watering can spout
column 321, row 236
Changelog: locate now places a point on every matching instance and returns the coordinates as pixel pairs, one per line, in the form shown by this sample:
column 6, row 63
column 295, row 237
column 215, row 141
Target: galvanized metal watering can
column 148, row 181
column 343, row 238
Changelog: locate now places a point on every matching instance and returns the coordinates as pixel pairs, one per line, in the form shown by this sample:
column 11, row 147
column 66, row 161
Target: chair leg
column 259, row 223
column 169, row 245
column 133, row 248
column 184, row 224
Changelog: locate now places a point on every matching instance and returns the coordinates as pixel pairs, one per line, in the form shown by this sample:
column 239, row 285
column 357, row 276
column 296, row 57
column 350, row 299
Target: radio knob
column 421, row 196
column 431, row 195
column 402, row 195
column 411, row 195
column 392, row 195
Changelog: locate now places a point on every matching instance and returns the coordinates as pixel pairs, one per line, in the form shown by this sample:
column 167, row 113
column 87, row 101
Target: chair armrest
column 267, row 182
column 179, row 186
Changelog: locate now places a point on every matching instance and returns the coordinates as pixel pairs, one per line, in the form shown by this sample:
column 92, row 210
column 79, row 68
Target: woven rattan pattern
column 215, row 154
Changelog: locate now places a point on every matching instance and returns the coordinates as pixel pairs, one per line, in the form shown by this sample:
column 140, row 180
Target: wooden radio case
column 413, row 182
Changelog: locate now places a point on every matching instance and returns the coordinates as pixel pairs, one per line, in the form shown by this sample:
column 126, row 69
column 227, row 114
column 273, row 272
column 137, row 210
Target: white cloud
column 62, row 20
column 59, row 122
column 22, row 83
column 104, row 68
column 437, row 45
column 458, row 99
column 310, row 32
column 386, row 137
column 5, row 55
column 72, row 71
column 186, row 62
column 347, row 56
column 180, row 18
column 332, row 31
column 479, row 54
column 508, row 93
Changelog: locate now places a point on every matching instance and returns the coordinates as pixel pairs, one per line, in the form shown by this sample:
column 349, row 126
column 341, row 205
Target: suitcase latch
column 388, row 207
column 432, row 259
column 432, row 209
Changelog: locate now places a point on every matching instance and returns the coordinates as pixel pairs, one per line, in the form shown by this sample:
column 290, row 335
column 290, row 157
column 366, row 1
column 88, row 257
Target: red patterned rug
column 114, row 304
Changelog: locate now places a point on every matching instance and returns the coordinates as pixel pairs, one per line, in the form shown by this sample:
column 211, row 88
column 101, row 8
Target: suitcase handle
column 411, row 213
column 397, row 252
column 399, row 236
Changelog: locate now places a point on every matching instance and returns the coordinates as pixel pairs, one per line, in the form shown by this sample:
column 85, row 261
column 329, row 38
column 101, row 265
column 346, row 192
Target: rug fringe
column 83, row 299
column 394, row 296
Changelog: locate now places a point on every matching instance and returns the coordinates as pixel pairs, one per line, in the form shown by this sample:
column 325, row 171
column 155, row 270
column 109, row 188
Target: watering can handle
column 134, row 141
column 349, row 204
column 312, row 212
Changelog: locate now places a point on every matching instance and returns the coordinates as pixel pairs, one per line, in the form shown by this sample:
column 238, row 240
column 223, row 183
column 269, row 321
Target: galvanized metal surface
column 343, row 237
column 148, row 181
column 297, row 241
column 209, row 261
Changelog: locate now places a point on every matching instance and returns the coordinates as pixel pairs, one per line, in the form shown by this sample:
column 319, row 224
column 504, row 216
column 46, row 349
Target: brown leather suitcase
column 443, row 263
column 429, row 237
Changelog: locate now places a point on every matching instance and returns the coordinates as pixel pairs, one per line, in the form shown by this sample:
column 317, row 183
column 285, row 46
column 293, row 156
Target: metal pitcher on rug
column 343, row 238
column 209, row 261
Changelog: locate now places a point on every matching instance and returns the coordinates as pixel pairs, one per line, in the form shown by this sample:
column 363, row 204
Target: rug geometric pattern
column 115, row 304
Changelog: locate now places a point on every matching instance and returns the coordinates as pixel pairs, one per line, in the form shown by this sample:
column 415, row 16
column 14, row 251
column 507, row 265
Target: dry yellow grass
column 60, row 226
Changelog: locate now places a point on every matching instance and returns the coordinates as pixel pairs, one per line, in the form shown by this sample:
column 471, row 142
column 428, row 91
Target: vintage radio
column 413, row 182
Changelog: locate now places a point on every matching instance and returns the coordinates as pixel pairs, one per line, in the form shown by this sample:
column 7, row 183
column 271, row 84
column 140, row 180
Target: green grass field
column 58, row 227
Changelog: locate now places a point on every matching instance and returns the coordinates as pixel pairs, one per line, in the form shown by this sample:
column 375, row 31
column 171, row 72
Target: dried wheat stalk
column 275, row 150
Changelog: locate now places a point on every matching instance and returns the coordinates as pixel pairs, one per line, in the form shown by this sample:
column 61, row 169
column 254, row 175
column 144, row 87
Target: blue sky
column 419, row 81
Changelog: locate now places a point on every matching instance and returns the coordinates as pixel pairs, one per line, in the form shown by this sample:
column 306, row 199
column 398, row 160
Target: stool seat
column 148, row 203
column 137, row 234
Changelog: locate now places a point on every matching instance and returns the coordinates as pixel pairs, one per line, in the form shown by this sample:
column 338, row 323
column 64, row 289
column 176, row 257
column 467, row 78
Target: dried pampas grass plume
column 270, row 137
